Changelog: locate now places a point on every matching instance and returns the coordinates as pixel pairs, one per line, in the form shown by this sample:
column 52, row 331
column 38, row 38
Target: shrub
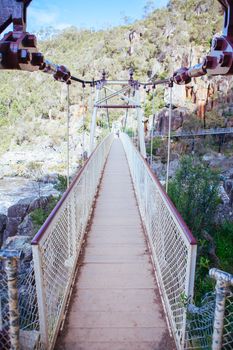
column 194, row 191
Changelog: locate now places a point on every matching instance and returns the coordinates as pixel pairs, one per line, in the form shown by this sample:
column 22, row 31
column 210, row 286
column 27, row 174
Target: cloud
column 44, row 17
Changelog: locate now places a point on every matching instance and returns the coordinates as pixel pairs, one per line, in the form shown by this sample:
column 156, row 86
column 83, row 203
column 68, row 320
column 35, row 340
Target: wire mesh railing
column 57, row 245
column 28, row 310
column 172, row 245
column 26, row 329
column 199, row 324
column 227, row 342
column 4, row 311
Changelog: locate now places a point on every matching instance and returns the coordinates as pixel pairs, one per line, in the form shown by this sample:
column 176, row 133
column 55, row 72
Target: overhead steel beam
column 112, row 95
column 117, row 106
column 129, row 100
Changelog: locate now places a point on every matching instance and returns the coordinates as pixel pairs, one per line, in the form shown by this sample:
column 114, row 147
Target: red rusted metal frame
column 53, row 213
column 220, row 59
column 13, row 12
column 18, row 48
column 192, row 240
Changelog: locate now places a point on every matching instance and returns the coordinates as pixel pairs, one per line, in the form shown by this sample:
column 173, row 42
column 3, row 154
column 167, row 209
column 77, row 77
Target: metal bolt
column 224, row 60
column 37, row 59
column 24, row 56
column 218, row 44
column 30, row 41
column 210, row 62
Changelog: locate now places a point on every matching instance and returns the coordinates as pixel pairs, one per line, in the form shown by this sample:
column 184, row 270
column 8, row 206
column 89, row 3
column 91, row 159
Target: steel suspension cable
column 144, row 107
column 134, row 117
column 126, row 114
column 105, row 93
column 83, row 122
column 169, row 135
column 68, row 136
column 152, row 128
column 125, row 120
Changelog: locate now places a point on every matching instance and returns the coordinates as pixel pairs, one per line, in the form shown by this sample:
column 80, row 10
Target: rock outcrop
column 178, row 117
column 3, row 221
column 22, row 244
column 18, row 221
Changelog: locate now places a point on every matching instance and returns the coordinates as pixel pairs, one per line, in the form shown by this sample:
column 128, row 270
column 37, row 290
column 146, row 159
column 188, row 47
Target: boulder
column 39, row 203
column 178, row 116
column 228, row 185
column 18, row 222
column 3, row 221
column 50, row 178
column 223, row 194
column 173, row 167
column 23, row 245
column 210, row 156
column 159, row 169
column 18, row 210
column 26, row 227
column 11, row 227
column 178, row 95
column 224, row 213
column 15, row 215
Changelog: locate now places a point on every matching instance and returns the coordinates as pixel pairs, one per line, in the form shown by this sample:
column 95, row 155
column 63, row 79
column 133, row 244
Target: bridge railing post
column 41, row 299
column 223, row 281
column 93, row 123
column 10, row 258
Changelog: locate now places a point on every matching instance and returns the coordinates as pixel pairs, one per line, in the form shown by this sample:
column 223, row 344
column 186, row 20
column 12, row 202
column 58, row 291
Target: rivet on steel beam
column 30, row 40
column 24, row 56
column 37, row 59
column 218, row 43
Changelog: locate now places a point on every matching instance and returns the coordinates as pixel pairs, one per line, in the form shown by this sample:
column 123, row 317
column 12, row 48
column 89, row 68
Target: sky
column 97, row 14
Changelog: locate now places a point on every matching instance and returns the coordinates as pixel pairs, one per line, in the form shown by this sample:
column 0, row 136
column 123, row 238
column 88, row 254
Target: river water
column 12, row 189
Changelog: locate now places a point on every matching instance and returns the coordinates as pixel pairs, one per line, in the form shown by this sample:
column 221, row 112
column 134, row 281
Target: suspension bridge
column 113, row 265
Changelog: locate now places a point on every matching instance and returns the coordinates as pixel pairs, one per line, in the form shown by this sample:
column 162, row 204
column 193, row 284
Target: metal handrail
column 185, row 229
column 57, row 245
column 172, row 244
column 36, row 239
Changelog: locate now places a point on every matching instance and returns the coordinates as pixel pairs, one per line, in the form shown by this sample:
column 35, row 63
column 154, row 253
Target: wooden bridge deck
column 116, row 303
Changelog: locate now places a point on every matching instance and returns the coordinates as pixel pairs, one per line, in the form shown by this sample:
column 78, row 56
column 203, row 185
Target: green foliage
column 223, row 237
column 163, row 75
column 39, row 215
column 159, row 99
column 213, row 120
column 147, row 108
column 129, row 131
column 192, row 123
column 156, row 143
column 194, row 191
column 61, row 184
